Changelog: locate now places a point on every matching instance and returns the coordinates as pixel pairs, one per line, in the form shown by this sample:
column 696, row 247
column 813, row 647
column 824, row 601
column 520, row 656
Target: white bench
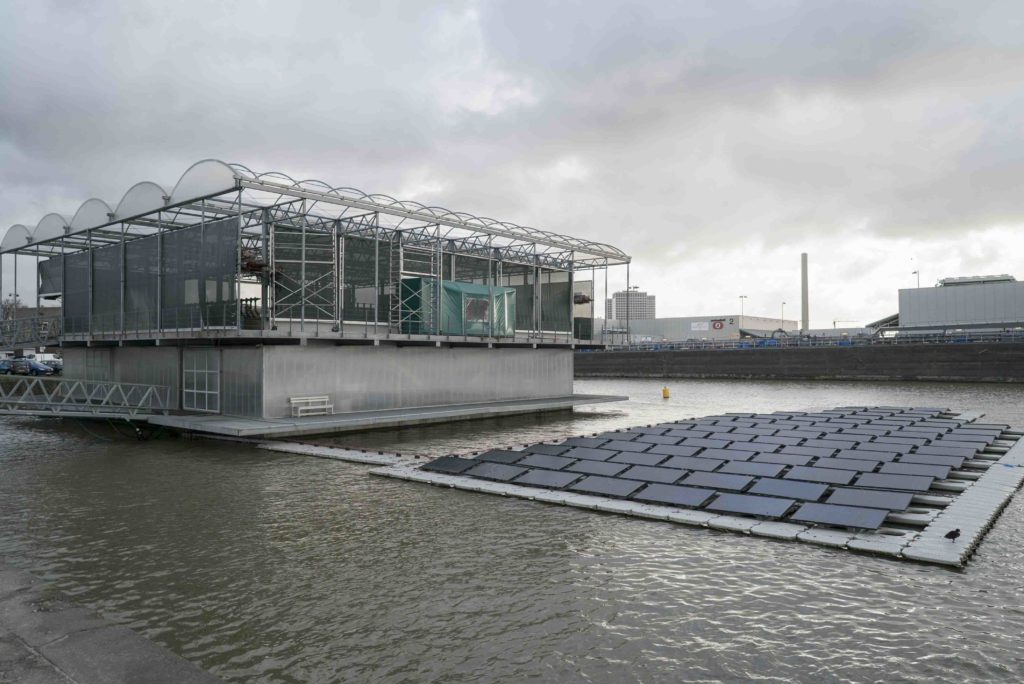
column 310, row 406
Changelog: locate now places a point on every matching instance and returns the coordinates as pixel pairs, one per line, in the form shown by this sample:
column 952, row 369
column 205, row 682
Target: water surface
column 262, row 566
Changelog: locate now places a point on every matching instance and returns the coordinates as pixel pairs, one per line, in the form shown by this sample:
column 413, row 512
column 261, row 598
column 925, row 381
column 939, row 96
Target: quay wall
column 976, row 362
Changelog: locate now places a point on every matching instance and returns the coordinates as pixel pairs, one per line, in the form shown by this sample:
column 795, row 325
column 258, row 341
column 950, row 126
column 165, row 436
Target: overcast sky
column 713, row 141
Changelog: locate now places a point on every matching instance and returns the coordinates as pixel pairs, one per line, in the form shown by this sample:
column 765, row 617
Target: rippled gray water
column 270, row 567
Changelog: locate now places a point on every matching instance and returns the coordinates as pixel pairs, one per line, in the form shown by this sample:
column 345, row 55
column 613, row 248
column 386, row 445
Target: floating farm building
column 296, row 305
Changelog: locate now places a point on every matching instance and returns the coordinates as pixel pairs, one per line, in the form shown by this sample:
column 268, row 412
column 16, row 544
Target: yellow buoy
column 664, row 392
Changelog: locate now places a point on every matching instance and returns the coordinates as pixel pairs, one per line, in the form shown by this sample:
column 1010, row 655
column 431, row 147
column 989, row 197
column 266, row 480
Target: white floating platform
column 368, row 420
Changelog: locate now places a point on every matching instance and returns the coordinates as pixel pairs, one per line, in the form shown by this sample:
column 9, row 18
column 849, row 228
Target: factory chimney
column 804, row 316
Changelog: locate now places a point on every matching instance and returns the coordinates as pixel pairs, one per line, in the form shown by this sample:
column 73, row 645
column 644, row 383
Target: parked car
column 56, row 365
column 29, row 367
column 5, row 366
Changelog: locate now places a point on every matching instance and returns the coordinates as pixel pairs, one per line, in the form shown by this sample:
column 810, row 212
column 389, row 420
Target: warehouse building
column 975, row 302
column 726, row 327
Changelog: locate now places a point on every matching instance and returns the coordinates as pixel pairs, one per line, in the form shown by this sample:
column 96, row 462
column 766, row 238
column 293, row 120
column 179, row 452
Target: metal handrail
column 65, row 395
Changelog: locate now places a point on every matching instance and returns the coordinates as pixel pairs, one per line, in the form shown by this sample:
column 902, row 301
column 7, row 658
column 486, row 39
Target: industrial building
column 725, row 327
column 975, row 303
column 632, row 304
column 235, row 293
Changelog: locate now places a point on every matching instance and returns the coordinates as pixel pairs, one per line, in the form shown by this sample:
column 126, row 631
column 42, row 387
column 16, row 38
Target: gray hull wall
column 384, row 377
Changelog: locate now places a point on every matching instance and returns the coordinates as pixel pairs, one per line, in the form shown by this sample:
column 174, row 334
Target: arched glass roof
column 212, row 187
column 16, row 236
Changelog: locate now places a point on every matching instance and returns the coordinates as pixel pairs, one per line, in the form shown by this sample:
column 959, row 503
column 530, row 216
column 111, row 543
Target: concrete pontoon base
column 369, row 420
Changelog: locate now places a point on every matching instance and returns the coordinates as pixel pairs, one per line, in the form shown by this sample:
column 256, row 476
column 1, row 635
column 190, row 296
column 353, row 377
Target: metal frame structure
column 298, row 243
column 94, row 399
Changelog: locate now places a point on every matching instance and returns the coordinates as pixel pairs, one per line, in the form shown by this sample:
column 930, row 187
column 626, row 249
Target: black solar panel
column 606, row 486
column 827, row 475
column 709, row 443
column 655, row 430
column 501, row 456
column 941, row 450
column 589, row 454
column 858, row 464
column 843, row 516
column 937, row 471
column 931, row 459
column 673, row 495
column 754, row 447
column 605, row 468
column 913, row 483
column 755, row 431
column 546, row 478
column 716, row 481
column 832, row 444
column 727, row 454
column 549, row 449
column 748, row 468
column 677, row 450
column 820, row 452
column 495, row 471
column 867, row 455
column 785, row 459
column 687, row 433
column 692, row 463
column 775, row 439
column 589, row 442
column 763, row 506
column 885, row 448
column 450, row 465
column 544, row 461
column 638, row 459
column 806, row 491
column 898, row 438
column 651, row 474
column 871, row 498
column 619, row 445
column 657, row 439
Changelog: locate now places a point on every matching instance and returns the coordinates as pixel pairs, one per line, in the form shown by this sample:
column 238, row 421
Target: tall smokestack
column 803, row 294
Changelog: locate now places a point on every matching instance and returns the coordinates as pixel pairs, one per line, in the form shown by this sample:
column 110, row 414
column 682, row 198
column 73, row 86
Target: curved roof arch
column 205, row 177
column 49, row 227
column 16, row 236
column 141, row 198
column 93, row 212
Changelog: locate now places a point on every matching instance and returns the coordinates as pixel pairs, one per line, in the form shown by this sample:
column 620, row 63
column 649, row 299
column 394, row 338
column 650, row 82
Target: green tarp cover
column 465, row 309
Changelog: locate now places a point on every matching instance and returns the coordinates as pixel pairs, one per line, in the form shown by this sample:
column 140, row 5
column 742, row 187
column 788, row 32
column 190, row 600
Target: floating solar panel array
column 848, row 467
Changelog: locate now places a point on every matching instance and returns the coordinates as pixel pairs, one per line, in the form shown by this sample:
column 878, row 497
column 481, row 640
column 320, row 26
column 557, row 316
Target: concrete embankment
column 46, row 638
column 995, row 362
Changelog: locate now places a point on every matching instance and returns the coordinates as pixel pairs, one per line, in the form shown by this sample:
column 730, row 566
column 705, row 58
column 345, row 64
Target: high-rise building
column 639, row 305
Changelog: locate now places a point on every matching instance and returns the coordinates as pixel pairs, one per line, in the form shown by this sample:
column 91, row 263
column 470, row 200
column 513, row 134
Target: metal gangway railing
column 81, row 398
column 39, row 331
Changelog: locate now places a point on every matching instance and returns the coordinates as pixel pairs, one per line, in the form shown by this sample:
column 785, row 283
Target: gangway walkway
column 81, row 398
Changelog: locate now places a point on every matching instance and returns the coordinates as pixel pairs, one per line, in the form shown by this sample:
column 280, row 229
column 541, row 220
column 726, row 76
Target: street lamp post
column 918, row 274
column 782, row 317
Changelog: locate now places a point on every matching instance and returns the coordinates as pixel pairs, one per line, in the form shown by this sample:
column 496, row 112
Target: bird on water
column 953, row 534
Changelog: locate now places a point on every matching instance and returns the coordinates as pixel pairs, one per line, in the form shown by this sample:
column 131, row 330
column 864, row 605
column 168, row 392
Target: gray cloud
column 681, row 132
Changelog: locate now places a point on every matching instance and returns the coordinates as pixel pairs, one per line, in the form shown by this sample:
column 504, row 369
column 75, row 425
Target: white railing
column 61, row 396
